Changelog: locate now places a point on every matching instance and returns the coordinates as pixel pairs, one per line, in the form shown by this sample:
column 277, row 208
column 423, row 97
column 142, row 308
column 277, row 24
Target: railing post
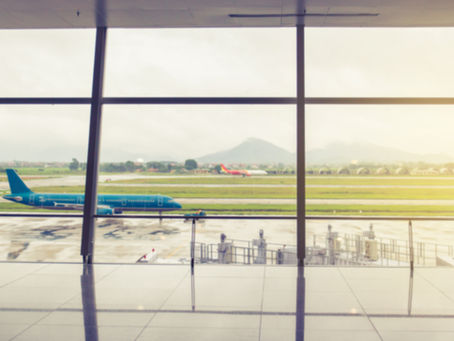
column 381, row 252
column 410, row 243
column 192, row 245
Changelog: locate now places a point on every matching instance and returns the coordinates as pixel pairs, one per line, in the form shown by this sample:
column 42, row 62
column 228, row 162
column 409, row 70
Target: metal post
column 91, row 182
column 410, row 292
column 300, row 147
column 193, row 289
column 192, row 245
column 410, row 243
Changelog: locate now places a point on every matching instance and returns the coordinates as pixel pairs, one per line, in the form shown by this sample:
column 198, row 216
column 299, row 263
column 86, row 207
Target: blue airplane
column 108, row 204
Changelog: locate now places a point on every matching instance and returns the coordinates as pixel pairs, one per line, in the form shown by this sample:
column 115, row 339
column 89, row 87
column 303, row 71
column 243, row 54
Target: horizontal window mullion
column 199, row 100
column 45, row 100
column 234, row 100
column 380, row 100
column 40, row 215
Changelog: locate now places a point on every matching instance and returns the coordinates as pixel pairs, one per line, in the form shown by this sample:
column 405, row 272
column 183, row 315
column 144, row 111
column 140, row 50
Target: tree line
column 130, row 166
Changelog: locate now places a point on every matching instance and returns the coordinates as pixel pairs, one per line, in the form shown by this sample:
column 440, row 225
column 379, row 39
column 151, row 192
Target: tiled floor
column 221, row 302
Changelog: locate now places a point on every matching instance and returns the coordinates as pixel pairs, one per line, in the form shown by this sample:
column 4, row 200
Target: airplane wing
column 101, row 209
column 69, row 206
column 257, row 172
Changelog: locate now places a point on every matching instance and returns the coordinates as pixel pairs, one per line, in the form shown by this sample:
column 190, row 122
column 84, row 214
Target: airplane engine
column 104, row 211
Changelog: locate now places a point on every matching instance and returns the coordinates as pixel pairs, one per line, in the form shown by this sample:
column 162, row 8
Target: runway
column 107, row 180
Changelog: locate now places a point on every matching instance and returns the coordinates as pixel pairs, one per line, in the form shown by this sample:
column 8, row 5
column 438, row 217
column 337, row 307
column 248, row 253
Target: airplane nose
column 177, row 205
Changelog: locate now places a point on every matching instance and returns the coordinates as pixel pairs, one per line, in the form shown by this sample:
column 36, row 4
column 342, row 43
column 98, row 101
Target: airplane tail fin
column 224, row 169
column 15, row 182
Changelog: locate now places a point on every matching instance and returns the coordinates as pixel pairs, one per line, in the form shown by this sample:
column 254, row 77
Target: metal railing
column 391, row 252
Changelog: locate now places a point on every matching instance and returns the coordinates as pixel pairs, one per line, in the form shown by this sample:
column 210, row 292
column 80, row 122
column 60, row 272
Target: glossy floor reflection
column 221, row 302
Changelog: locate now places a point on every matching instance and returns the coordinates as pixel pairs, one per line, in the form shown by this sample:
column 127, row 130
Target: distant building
column 343, row 171
column 324, row 171
column 363, row 171
column 383, row 171
column 430, row 171
column 402, row 171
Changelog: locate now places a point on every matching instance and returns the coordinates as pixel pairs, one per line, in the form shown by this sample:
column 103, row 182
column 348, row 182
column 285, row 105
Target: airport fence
column 320, row 249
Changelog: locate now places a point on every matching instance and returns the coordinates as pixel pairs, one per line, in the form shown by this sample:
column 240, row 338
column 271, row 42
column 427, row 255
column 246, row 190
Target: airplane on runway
column 108, row 204
column 243, row 172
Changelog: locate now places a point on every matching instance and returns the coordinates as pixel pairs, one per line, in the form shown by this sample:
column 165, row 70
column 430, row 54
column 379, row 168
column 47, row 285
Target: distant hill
column 342, row 153
column 252, row 150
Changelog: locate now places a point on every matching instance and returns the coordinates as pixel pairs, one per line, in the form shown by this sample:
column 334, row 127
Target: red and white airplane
column 243, row 172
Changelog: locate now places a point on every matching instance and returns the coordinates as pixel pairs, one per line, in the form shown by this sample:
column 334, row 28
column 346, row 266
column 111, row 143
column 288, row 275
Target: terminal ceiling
column 16, row 14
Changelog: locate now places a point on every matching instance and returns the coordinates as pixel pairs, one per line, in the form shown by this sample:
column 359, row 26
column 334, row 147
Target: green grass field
column 383, row 181
column 381, row 193
column 381, row 210
column 184, row 192
column 254, row 192
column 269, row 192
column 252, row 209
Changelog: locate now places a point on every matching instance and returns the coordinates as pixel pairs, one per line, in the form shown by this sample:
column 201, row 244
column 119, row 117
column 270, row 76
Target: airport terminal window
column 40, row 142
column 44, row 134
column 180, row 132
column 46, row 63
column 379, row 62
column 406, row 131
column 201, row 62
column 163, row 132
column 162, row 138
column 385, row 161
column 40, row 239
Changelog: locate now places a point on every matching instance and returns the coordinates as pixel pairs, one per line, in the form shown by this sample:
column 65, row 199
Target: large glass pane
column 46, row 63
column 151, row 241
column 179, row 132
column 47, row 147
column 167, row 159
column 380, row 62
column 241, row 62
column 390, row 162
column 40, row 239
column 180, row 152
column 373, row 242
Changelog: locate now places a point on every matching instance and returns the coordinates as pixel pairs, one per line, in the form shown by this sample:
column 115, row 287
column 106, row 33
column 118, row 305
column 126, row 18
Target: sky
column 224, row 62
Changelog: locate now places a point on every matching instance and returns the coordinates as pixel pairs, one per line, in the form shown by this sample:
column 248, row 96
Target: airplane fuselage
column 115, row 202
column 242, row 172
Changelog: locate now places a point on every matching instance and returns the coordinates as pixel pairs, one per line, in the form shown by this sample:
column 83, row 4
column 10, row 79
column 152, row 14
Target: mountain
column 252, row 150
column 342, row 153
